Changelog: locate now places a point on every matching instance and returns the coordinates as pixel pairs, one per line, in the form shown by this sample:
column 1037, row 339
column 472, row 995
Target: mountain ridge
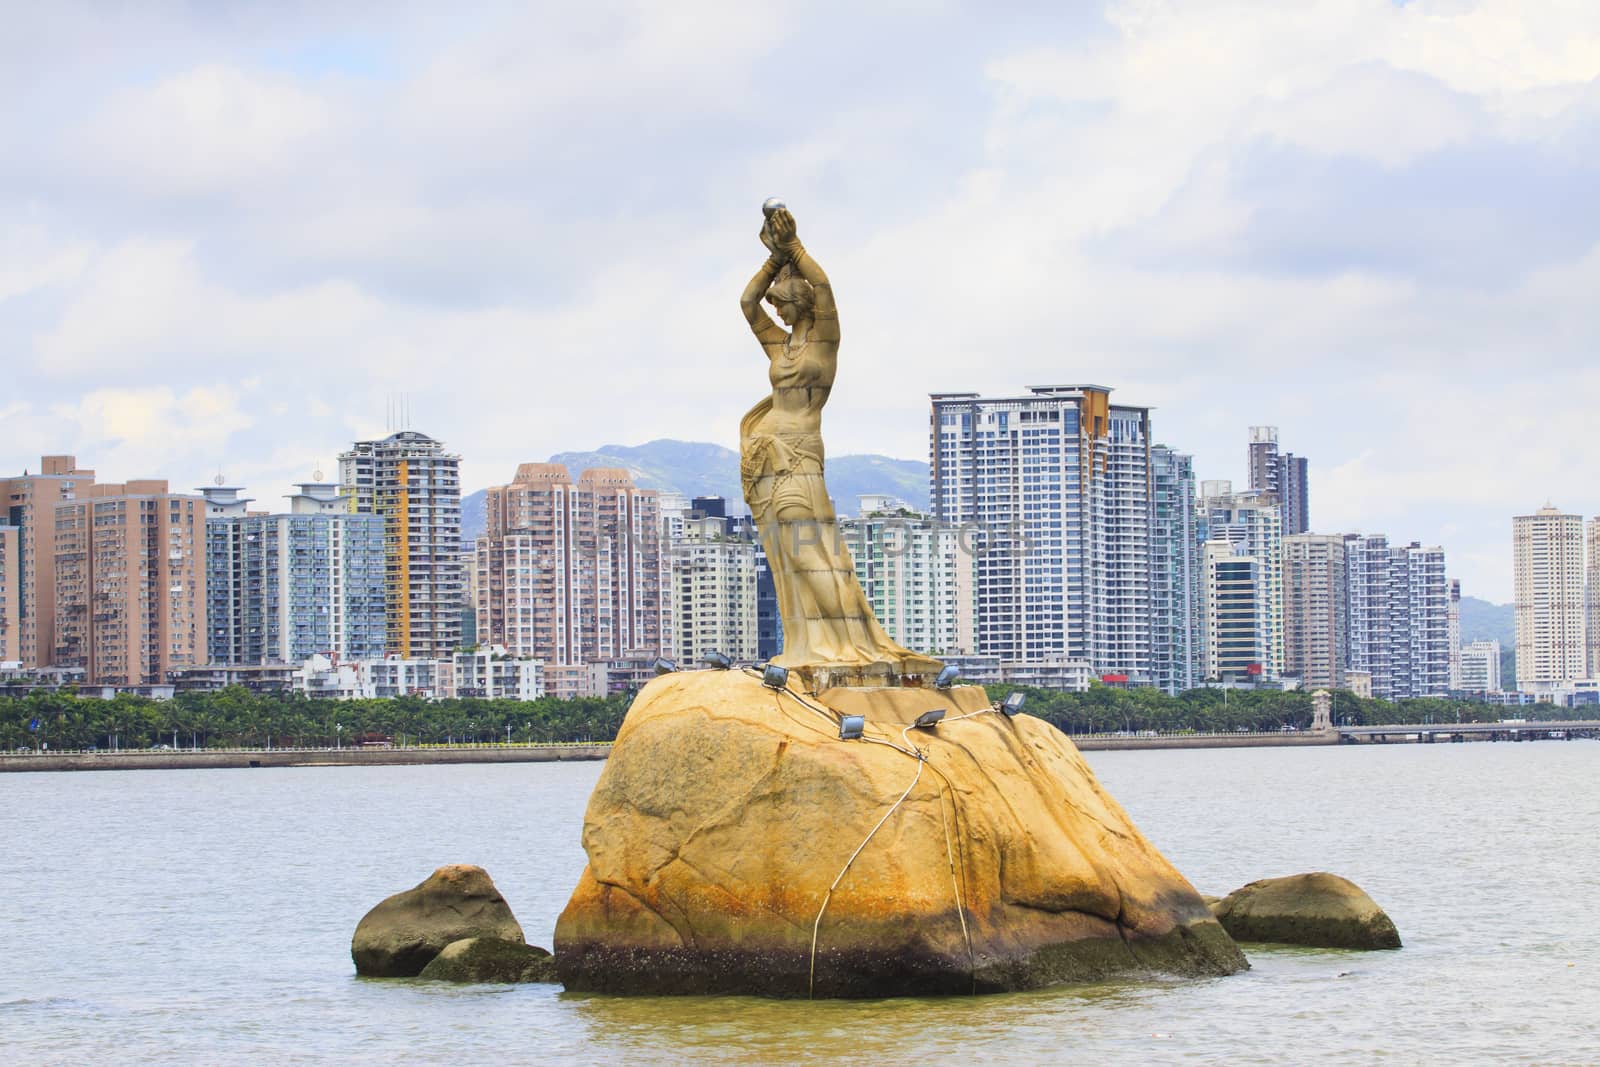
column 698, row 468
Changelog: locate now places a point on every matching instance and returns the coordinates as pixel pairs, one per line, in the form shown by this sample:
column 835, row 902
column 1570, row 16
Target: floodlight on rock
column 1013, row 703
column 929, row 719
column 718, row 662
column 851, row 726
column 775, row 677
column 947, row 678
column 665, row 666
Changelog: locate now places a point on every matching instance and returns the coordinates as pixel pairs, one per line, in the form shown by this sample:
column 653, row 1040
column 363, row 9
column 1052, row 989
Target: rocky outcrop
column 490, row 959
column 403, row 934
column 1320, row 909
column 737, row 845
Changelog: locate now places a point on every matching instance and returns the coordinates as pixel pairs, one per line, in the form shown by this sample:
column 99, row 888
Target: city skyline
column 229, row 239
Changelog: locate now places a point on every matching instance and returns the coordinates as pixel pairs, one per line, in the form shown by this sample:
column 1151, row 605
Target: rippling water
column 205, row 917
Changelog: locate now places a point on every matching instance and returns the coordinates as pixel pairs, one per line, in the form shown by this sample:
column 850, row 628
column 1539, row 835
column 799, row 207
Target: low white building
column 495, row 674
column 489, row 672
column 1480, row 667
column 367, row 679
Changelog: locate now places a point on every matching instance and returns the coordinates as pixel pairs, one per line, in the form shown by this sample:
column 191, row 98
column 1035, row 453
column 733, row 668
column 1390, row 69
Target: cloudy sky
column 230, row 233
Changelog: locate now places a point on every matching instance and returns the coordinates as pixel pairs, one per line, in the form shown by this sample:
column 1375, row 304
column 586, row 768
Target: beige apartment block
column 10, row 620
column 130, row 583
column 571, row 573
column 30, row 501
column 1315, row 627
column 1548, row 573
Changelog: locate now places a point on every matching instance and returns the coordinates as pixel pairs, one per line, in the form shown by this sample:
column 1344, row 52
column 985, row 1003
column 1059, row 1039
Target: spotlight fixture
column 665, row 666
column 717, row 661
column 850, row 727
column 775, row 677
column 1013, row 703
column 947, row 678
column 929, row 719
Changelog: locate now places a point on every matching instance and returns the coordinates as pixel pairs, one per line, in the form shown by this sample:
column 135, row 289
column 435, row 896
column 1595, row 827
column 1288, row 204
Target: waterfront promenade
column 177, row 759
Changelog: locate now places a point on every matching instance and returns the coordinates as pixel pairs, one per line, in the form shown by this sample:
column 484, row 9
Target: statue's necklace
column 790, row 353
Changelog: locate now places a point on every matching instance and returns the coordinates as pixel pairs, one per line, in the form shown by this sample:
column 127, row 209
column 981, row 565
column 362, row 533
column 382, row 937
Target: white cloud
column 1365, row 222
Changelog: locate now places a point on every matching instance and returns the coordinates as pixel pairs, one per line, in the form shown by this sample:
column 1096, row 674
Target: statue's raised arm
column 780, row 225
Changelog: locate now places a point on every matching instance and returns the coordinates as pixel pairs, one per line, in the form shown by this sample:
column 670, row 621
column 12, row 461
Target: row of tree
column 237, row 717
column 1104, row 709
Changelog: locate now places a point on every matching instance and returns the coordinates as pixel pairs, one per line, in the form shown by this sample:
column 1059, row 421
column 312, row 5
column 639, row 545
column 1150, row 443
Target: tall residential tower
column 1054, row 488
column 1548, row 574
column 410, row 480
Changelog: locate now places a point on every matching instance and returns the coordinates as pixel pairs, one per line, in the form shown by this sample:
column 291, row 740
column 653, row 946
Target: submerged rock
column 400, row 936
column 727, row 811
column 1319, row 909
column 490, row 959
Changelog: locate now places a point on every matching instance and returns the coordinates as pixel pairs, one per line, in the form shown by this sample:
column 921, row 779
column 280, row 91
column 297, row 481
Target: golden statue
column 828, row 626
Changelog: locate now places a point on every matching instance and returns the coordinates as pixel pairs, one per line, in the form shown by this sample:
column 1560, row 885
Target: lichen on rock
column 727, row 810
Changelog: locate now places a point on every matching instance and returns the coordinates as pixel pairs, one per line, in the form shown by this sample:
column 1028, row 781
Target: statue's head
column 790, row 295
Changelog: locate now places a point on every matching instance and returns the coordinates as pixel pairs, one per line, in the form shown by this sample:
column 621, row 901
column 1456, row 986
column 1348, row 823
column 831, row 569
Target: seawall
column 168, row 760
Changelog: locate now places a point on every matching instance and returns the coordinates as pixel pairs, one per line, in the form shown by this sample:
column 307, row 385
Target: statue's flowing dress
column 827, row 620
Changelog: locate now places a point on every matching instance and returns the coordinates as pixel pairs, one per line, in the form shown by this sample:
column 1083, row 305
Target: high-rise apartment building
column 30, row 503
column 10, row 591
column 1281, row 474
column 1315, row 627
column 1419, row 623
column 915, row 574
column 1053, row 487
column 1367, row 608
column 1548, row 579
column 713, row 592
column 1175, row 573
column 1252, row 523
column 769, row 620
column 1480, row 667
column 282, row 588
column 130, row 583
column 1592, row 594
column 572, row 573
column 1398, row 610
column 410, row 480
column 1232, row 586
column 1455, row 633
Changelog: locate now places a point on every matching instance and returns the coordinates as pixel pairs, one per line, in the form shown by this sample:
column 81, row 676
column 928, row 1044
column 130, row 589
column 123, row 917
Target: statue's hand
column 770, row 241
column 783, row 229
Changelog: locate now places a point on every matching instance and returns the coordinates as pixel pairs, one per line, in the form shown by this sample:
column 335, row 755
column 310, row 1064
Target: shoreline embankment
column 180, row 759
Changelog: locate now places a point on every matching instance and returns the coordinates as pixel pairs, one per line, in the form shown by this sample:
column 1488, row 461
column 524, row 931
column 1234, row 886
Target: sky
column 232, row 234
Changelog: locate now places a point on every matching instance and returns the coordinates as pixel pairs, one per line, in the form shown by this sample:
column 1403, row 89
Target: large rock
column 726, row 811
column 489, row 959
column 400, row 936
column 1319, row 909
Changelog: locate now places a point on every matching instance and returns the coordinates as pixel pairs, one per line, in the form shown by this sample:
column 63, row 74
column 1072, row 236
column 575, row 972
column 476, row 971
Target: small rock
column 1319, row 909
column 403, row 934
column 489, row 959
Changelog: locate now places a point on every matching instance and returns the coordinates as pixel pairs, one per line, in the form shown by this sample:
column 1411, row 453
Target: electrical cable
column 811, row 986
column 955, row 881
column 961, row 911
